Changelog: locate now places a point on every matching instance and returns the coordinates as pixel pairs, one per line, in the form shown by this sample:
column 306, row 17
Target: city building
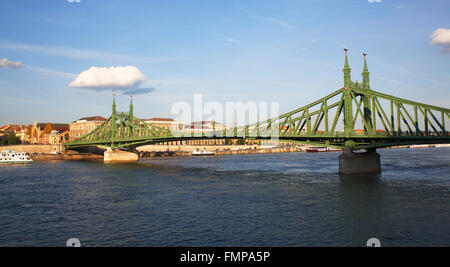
column 47, row 133
column 165, row 123
column 9, row 128
column 205, row 126
column 19, row 130
column 199, row 127
column 83, row 126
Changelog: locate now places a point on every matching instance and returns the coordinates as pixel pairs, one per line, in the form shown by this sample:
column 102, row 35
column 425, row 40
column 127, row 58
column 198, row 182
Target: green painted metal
column 370, row 119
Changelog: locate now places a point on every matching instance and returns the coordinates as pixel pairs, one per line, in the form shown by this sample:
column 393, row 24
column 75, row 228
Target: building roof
column 12, row 128
column 93, row 118
column 160, row 119
column 4, row 127
column 60, row 127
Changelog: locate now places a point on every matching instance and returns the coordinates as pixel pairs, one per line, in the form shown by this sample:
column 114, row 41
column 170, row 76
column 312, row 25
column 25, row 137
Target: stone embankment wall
column 47, row 157
column 46, row 149
column 155, row 154
column 42, row 152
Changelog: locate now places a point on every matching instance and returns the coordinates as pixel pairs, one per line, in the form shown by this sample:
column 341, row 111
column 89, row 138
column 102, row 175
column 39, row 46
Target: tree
column 241, row 142
column 13, row 139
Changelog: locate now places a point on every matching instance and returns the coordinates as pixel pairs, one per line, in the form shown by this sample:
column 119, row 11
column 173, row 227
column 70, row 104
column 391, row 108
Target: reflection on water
column 295, row 199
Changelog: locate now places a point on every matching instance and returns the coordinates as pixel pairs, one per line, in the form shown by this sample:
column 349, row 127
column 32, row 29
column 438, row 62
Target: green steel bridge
column 353, row 117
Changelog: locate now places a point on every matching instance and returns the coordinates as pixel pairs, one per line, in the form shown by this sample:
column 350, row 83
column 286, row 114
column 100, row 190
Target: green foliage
column 13, row 139
column 241, row 142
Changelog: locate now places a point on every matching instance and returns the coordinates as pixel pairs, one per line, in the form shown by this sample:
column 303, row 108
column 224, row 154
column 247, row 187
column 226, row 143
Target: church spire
column 346, row 70
column 365, row 74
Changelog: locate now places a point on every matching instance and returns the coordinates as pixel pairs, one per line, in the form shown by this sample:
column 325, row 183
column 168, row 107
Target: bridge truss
column 354, row 117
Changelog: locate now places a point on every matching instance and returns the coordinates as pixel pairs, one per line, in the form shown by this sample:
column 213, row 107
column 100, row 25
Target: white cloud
column 74, row 1
column 441, row 36
column 268, row 19
column 139, row 91
column 50, row 73
column 74, row 53
column 115, row 78
column 277, row 21
column 306, row 47
column 374, row 1
column 5, row 63
column 233, row 41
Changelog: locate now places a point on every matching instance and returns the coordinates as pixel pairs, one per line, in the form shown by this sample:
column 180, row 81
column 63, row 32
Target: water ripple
column 294, row 199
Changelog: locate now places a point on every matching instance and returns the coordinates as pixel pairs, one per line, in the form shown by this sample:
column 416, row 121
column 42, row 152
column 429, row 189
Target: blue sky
column 254, row 50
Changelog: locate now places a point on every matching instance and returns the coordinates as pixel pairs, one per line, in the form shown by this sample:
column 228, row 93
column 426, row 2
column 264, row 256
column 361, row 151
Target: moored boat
column 198, row 152
column 10, row 156
column 314, row 149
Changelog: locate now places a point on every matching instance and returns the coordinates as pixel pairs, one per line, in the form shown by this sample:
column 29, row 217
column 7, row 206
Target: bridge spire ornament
column 113, row 120
column 131, row 108
column 114, row 105
column 365, row 74
column 346, row 70
column 348, row 109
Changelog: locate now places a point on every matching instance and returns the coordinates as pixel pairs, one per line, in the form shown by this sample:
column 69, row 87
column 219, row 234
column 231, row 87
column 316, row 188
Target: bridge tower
column 366, row 99
column 350, row 162
column 130, row 113
column 112, row 154
column 348, row 107
column 365, row 74
column 113, row 119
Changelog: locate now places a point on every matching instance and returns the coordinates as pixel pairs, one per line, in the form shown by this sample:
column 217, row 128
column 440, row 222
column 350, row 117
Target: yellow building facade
column 83, row 126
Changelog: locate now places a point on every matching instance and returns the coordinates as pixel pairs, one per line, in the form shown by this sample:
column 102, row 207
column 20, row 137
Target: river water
column 292, row 199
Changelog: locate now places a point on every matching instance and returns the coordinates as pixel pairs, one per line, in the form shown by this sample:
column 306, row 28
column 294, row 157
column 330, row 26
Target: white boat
column 198, row 152
column 443, row 145
column 10, row 156
column 332, row 149
column 313, row 149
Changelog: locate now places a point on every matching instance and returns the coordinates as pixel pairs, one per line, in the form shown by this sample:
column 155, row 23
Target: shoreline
column 71, row 156
column 66, row 157
column 167, row 154
column 162, row 154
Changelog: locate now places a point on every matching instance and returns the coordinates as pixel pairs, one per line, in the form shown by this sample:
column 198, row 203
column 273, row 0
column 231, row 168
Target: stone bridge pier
column 357, row 163
column 116, row 155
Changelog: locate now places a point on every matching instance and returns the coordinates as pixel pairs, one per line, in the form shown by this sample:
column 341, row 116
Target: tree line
column 11, row 139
